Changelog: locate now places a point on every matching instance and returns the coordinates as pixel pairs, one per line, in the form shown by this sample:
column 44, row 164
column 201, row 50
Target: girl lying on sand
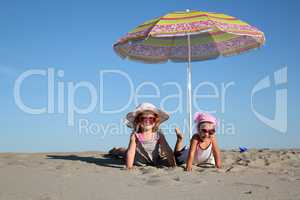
column 147, row 144
column 203, row 145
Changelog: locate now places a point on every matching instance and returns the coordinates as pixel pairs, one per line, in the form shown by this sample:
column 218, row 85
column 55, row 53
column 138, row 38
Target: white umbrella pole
column 189, row 87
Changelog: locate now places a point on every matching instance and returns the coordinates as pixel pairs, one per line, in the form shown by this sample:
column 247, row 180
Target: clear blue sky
column 77, row 37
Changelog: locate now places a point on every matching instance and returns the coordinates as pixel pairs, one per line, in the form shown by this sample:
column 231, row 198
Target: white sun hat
column 130, row 117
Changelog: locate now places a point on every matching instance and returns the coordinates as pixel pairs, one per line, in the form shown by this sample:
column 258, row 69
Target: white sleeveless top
column 201, row 156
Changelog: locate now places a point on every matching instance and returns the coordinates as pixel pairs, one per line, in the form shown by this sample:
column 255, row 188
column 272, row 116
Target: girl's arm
column 192, row 151
column 131, row 152
column 216, row 151
column 166, row 149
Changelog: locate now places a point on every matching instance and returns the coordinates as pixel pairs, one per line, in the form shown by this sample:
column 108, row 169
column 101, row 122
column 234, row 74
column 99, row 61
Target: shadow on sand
column 105, row 161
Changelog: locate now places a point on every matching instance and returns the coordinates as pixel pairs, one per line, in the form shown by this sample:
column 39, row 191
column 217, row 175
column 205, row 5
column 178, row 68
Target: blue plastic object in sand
column 243, row 149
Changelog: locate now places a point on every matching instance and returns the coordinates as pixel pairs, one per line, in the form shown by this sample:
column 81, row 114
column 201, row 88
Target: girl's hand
column 129, row 168
column 216, row 153
column 130, row 152
column 192, row 151
column 188, row 168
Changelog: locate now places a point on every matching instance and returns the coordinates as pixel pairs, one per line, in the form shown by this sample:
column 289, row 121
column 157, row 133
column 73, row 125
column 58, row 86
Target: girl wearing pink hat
column 203, row 145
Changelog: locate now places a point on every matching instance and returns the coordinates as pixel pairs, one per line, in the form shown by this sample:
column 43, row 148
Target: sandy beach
column 255, row 174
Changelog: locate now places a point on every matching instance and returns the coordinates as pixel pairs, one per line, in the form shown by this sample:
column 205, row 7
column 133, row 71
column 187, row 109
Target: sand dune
column 255, row 174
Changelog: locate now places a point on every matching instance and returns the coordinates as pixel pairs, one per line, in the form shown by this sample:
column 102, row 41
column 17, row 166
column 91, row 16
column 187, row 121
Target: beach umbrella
column 188, row 36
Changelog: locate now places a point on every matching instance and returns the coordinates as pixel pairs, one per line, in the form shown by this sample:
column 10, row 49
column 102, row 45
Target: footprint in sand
column 17, row 163
column 156, row 180
column 252, row 185
column 201, row 170
column 149, row 170
column 242, row 161
column 59, row 167
column 46, row 197
column 235, row 168
column 177, row 179
column 229, row 169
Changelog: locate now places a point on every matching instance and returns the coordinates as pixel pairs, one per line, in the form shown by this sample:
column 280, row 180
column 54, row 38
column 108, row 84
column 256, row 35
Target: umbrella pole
column 189, row 87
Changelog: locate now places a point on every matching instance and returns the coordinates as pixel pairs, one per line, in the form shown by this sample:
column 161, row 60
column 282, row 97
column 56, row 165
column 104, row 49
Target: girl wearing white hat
column 147, row 144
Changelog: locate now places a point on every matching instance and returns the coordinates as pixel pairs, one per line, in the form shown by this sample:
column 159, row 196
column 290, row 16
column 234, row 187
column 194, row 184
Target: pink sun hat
column 204, row 117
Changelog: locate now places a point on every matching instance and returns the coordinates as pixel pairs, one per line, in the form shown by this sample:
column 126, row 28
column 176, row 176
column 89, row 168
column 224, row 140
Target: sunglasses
column 209, row 131
column 148, row 119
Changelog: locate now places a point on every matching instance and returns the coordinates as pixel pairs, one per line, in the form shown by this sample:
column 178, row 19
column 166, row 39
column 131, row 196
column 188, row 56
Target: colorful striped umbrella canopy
column 188, row 36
